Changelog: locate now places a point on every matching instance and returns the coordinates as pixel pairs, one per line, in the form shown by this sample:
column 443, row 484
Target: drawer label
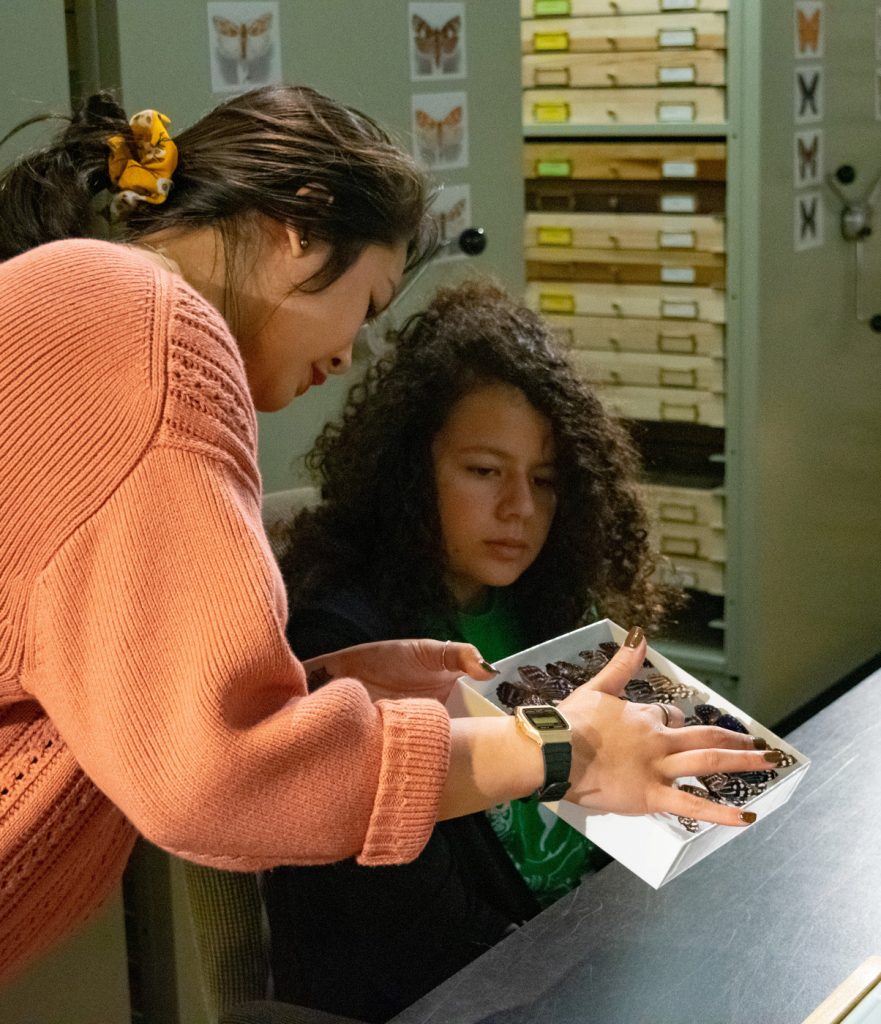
column 672, row 512
column 677, row 275
column 555, row 236
column 676, row 240
column 550, row 113
column 553, row 168
column 679, row 310
column 671, row 411
column 679, row 202
column 677, row 76
column 678, row 5
column 687, row 546
column 668, row 378
column 679, row 169
column 679, row 344
column 556, row 302
column 551, row 8
column 669, row 37
column 558, row 77
column 542, row 42
column 681, row 113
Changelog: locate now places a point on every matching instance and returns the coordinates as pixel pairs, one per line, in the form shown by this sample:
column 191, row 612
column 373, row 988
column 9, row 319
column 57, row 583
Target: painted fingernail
column 759, row 743
column 747, row 817
column 485, row 665
column 634, row 637
column 774, row 757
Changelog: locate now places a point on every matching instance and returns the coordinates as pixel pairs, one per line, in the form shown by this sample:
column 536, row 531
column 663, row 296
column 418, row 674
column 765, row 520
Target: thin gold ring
column 444, row 655
column 666, row 714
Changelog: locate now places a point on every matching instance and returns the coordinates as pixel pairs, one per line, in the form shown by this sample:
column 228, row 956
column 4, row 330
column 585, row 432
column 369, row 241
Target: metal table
column 758, row 933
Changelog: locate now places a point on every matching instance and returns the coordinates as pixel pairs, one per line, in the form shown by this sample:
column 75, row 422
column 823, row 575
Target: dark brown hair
column 378, row 524
column 250, row 155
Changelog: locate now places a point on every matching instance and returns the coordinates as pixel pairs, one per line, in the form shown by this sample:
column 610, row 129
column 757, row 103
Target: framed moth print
column 244, row 44
column 440, row 129
column 808, row 220
column 437, row 40
column 452, row 208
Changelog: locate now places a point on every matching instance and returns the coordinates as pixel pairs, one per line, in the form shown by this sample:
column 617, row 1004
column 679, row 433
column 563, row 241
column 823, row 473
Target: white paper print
column 452, row 208
column 244, row 44
column 810, row 27
column 437, row 40
column 878, row 32
column 808, row 93
column 808, row 220
column 440, row 129
column 808, row 156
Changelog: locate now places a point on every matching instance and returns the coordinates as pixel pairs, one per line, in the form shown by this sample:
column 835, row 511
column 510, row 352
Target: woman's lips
column 508, row 550
column 317, row 376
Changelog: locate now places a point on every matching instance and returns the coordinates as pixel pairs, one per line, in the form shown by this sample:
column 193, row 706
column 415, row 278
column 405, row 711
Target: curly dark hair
column 378, row 520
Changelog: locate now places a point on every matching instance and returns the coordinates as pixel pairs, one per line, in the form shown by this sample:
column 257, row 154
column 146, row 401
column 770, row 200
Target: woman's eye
column 546, row 481
column 481, row 470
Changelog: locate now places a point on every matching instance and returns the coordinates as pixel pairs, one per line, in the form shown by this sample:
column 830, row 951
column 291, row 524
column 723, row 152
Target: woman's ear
column 297, row 241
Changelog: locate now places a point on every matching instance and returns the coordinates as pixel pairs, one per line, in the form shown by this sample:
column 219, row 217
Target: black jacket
column 368, row 941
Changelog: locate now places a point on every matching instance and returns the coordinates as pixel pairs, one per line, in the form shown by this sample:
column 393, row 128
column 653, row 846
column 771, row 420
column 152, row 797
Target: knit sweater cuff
column 415, row 760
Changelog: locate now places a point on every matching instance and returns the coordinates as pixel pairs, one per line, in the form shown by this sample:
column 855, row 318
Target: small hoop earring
column 304, row 243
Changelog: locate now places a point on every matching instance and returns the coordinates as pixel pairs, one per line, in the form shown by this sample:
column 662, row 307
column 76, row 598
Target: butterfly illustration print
column 452, row 220
column 244, row 49
column 437, row 50
column 441, row 139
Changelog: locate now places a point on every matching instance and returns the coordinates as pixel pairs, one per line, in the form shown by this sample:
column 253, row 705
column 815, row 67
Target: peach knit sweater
column 145, row 682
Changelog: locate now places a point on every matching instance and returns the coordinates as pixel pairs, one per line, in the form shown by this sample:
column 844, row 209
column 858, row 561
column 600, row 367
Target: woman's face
column 292, row 339
column 494, row 470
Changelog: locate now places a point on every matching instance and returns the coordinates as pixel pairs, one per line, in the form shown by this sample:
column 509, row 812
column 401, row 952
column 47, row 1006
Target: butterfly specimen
column 437, row 49
column 244, row 44
column 452, row 221
column 440, row 139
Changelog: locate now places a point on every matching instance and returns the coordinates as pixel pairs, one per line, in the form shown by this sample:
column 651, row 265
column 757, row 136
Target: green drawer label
column 551, row 8
column 553, row 168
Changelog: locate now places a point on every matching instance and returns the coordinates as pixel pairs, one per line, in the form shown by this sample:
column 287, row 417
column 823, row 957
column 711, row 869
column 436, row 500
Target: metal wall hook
column 856, row 226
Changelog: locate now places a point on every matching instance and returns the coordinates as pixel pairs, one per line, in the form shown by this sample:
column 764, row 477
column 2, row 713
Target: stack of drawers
column 625, row 237
column 630, row 62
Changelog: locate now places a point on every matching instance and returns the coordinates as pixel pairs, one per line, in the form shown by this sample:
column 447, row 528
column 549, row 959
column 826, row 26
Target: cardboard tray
column 655, row 847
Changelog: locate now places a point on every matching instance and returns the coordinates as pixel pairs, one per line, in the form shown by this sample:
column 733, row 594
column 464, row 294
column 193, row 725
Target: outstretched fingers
column 687, row 805
column 711, row 762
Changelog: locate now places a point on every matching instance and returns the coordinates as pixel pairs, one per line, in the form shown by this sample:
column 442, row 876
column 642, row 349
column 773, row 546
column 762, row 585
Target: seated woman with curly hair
column 475, row 489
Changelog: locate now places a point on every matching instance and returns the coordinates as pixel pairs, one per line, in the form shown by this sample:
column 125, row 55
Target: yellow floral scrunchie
column 143, row 175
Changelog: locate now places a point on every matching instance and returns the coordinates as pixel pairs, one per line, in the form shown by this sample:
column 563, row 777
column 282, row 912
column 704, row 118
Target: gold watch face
column 546, row 719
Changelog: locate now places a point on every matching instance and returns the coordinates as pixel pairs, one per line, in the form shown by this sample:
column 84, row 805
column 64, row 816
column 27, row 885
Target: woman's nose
column 517, row 498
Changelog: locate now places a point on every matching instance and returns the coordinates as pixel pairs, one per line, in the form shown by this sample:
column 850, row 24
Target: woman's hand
column 625, row 758
column 394, row 669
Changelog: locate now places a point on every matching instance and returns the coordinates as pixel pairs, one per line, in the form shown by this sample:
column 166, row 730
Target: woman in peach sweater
column 145, row 682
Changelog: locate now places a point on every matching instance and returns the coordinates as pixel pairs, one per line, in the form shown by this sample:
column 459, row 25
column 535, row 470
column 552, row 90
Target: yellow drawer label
column 556, row 302
column 551, row 8
column 550, row 113
column 544, row 41
column 554, row 236
column 553, row 168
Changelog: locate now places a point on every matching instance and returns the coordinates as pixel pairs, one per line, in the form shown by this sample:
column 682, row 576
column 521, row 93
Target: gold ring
column 666, row 715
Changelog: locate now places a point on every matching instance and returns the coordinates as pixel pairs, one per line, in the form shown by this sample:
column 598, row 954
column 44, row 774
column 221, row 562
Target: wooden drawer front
column 695, row 574
column 665, row 405
column 672, row 31
column 614, row 70
column 688, row 506
column 649, row 161
column 620, row 334
column 654, row 302
column 676, row 540
column 577, row 196
column 702, row 373
column 638, row 266
column 598, row 8
column 616, row 231
column 666, row 106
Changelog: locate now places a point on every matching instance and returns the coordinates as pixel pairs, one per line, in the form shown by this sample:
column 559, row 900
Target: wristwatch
column 547, row 726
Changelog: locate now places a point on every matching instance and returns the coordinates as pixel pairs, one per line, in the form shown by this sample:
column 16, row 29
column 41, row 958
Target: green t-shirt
column 550, row 855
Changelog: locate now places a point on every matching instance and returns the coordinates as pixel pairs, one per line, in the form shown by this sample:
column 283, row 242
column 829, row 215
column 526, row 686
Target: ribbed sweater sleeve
column 155, row 624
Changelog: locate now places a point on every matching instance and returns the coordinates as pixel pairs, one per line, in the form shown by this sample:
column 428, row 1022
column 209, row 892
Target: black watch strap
column 558, row 764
